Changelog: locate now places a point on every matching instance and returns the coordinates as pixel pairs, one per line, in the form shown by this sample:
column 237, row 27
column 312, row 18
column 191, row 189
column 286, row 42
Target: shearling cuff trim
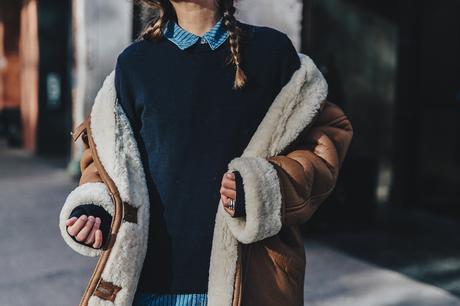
column 88, row 193
column 262, row 197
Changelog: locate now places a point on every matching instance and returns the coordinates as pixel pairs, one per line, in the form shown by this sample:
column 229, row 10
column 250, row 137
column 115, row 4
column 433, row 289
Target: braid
column 163, row 12
column 234, row 41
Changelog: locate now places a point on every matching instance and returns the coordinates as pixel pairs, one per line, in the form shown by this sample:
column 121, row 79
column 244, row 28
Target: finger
column 90, row 239
column 224, row 200
column 229, row 211
column 229, row 175
column 97, row 239
column 230, row 193
column 228, row 183
column 76, row 227
column 226, row 203
column 84, row 232
column 70, row 221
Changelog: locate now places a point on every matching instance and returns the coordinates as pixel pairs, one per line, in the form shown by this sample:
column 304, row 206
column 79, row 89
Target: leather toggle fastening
column 129, row 213
column 106, row 290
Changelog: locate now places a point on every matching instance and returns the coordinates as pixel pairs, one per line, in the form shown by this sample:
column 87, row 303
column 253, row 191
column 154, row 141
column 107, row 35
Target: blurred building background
column 387, row 236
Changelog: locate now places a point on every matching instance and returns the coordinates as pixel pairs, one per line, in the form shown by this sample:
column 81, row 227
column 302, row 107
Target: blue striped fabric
column 184, row 39
column 147, row 299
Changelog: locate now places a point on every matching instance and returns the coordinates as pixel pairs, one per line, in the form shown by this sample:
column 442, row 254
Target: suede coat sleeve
column 89, row 172
column 309, row 167
column 90, row 193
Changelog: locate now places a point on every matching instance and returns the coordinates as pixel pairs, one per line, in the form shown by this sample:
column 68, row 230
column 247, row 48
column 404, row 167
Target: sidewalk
column 38, row 269
column 336, row 279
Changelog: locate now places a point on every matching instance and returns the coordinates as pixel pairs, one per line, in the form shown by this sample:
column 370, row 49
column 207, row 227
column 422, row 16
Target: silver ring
column 232, row 204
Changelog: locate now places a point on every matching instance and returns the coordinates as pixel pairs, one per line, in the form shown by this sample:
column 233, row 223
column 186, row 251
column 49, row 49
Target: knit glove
column 96, row 211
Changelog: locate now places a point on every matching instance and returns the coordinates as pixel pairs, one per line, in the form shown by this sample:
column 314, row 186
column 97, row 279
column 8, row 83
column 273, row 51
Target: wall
column 29, row 73
column 102, row 29
column 285, row 16
column 9, row 54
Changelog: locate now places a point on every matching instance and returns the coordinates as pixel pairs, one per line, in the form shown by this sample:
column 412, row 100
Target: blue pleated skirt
column 148, row 299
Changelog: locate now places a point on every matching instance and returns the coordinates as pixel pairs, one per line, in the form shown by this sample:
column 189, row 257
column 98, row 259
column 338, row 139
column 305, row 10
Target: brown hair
column 226, row 8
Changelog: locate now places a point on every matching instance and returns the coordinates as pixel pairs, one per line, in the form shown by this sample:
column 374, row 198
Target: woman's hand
column 85, row 229
column 228, row 191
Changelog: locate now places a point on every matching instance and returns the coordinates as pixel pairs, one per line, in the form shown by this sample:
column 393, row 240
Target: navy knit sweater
column 189, row 123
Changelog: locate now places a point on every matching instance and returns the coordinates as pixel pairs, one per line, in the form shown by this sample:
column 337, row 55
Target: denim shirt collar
column 184, row 39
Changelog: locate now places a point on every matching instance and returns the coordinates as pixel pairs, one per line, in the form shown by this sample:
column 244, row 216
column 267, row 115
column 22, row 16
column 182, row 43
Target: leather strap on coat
column 89, row 172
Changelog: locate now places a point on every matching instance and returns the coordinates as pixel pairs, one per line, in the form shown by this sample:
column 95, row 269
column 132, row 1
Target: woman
column 203, row 109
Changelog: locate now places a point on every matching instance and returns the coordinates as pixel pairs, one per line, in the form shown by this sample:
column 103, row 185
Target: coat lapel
column 292, row 110
column 117, row 150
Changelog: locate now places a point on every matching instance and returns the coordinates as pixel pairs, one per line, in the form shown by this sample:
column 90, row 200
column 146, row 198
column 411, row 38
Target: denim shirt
column 183, row 39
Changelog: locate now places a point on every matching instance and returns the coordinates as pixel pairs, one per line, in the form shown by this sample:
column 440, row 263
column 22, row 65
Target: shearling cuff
column 95, row 193
column 263, row 200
